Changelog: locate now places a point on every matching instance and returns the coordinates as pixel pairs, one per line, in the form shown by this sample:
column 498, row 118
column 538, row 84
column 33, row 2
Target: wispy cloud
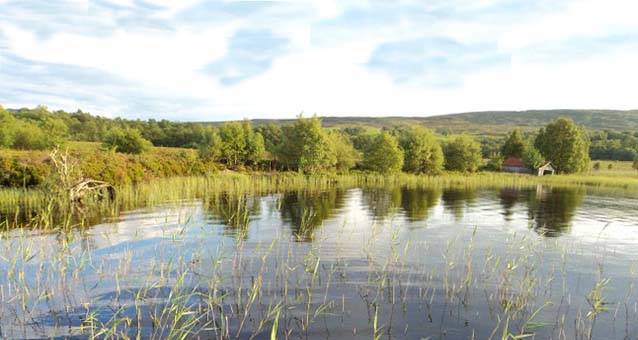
column 223, row 59
column 250, row 53
column 435, row 61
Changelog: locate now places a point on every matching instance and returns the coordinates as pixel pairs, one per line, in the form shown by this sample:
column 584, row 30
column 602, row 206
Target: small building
column 517, row 165
column 546, row 169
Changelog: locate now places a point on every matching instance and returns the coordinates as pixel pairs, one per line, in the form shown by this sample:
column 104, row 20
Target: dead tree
column 75, row 185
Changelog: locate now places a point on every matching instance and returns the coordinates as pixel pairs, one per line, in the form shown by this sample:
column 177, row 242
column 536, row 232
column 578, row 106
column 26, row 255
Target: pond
column 346, row 263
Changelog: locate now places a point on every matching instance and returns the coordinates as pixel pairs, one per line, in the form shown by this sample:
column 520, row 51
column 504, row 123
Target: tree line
column 306, row 146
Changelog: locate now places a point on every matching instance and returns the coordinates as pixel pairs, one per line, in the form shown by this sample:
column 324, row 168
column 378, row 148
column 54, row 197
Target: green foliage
column 514, row 145
column 423, row 152
column 273, row 137
column 532, row 157
column 32, row 132
column 255, row 146
column 126, row 141
column 463, row 154
column 347, row 156
column 14, row 173
column 7, row 127
column 384, row 155
column 210, row 149
column 564, row 144
column 234, row 144
column 306, row 146
column 495, row 163
column 596, row 166
column 238, row 144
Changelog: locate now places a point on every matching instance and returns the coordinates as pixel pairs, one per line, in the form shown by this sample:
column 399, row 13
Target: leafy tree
column 211, row 146
column 29, row 136
column 255, row 148
column 532, row 157
column 7, row 123
column 384, row 155
column 126, row 140
column 514, row 145
column 273, row 137
column 495, row 163
column 564, row 144
column 463, row 153
column 347, row 155
column 234, row 144
column 423, row 152
column 306, row 146
column 238, row 144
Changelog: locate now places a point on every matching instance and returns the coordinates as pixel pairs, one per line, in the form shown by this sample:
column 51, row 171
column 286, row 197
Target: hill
column 489, row 122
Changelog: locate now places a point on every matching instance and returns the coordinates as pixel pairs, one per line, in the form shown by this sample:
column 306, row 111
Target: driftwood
column 78, row 189
column 100, row 189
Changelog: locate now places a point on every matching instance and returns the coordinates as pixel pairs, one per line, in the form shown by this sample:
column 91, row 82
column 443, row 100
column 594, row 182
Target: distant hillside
column 490, row 122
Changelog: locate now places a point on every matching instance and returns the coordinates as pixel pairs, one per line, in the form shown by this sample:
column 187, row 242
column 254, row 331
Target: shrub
column 127, row 141
column 463, row 154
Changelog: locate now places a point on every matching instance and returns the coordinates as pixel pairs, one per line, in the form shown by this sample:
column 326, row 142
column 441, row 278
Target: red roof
column 514, row 162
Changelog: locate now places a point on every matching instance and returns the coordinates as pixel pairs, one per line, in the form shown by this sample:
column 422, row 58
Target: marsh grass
column 27, row 201
column 54, row 284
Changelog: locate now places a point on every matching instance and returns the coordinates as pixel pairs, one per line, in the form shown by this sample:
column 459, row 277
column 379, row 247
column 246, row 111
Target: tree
column 347, row 156
column 384, row 155
column 211, row 146
column 273, row 137
column 306, row 146
column 255, row 150
column 564, row 144
column 126, row 140
column 29, row 136
column 7, row 123
column 463, row 153
column 514, row 145
column 422, row 151
column 233, row 143
column 532, row 157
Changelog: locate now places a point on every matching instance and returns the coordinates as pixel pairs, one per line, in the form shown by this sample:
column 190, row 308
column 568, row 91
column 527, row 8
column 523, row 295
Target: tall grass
column 27, row 202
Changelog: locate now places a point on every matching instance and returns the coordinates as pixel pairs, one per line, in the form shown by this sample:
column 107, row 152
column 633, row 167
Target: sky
column 193, row 60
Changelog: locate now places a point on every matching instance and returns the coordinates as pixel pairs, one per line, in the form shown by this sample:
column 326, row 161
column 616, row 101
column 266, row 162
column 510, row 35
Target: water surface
column 401, row 263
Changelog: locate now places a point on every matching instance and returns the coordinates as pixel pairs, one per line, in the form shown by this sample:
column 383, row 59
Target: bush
column 127, row 141
column 463, row 154
column 384, row 155
column 16, row 174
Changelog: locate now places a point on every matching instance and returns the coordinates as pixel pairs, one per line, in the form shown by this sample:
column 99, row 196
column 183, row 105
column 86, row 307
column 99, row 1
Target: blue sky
column 221, row 60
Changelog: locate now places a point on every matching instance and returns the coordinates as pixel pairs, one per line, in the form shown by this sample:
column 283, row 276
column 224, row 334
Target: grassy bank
column 30, row 168
column 188, row 187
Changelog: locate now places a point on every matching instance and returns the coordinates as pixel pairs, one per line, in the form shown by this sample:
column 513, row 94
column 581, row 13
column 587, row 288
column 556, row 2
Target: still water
column 381, row 263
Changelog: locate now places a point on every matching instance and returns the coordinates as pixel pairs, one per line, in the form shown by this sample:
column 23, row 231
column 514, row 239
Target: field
column 490, row 123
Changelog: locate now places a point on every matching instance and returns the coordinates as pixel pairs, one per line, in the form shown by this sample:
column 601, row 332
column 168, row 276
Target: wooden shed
column 516, row 165
column 546, row 169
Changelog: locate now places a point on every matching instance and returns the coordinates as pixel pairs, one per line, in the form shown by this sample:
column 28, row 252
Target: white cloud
column 325, row 67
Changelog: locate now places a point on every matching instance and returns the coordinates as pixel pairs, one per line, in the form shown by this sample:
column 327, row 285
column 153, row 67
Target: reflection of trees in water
column 234, row 211
column 509, row 197
column 417, row 202
column 456, row 199
column 382, row 202
column 305, row 210
column 552, row 209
